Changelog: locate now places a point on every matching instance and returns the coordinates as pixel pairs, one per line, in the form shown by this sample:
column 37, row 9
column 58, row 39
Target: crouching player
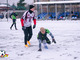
column 42, row 37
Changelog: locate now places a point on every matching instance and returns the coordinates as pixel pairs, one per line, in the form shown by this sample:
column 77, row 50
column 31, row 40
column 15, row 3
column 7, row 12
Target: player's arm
column 39, row 39
column 49, row 33
column 34, row 20
column 11, row 15
column 39, row 36
column 16, row 15
column 53, row 40
column 22, row 20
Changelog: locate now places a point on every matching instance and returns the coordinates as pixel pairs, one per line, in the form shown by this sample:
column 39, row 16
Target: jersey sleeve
column 24, row 15
column 23, row 18
column 47, row 31
column 50, row 33
column 34, row 19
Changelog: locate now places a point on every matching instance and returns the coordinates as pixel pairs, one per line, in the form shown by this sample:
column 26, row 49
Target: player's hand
column 23, row 28
column 34, row 26
column 53, row 40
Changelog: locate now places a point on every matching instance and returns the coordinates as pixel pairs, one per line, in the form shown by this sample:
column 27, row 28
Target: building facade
column 68, row 9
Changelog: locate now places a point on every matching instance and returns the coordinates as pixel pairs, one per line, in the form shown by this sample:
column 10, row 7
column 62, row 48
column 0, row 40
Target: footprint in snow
column 38, row 56
column 75, row 57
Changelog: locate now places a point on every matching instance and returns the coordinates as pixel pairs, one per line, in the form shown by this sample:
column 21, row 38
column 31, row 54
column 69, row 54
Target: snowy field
column 66, row 33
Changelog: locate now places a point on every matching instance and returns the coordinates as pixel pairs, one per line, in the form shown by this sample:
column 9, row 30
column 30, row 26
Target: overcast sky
column 15, row 1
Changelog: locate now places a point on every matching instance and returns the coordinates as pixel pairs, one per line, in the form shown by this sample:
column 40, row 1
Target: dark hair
column 31, row 6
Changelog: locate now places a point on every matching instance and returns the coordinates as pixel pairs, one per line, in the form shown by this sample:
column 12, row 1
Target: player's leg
column 12, row 24
column 39, row 45
column 45, row 45
column 26, row 36
column 29, row 34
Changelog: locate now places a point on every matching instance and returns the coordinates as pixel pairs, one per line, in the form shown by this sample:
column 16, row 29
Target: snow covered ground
column 66, row 33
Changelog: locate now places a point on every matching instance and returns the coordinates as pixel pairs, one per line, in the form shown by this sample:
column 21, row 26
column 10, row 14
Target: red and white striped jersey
column 28, row 18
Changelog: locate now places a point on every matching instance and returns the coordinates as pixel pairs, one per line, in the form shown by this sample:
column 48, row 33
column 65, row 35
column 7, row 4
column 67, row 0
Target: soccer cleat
column 40, row 50
column 26, row 45
column 28, row 42
column 10, row 28
column 46, row 47
column 16, row 29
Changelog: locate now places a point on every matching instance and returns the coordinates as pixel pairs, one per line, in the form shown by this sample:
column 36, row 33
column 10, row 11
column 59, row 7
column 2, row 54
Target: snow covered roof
column 57, row 2
column 4, row 5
